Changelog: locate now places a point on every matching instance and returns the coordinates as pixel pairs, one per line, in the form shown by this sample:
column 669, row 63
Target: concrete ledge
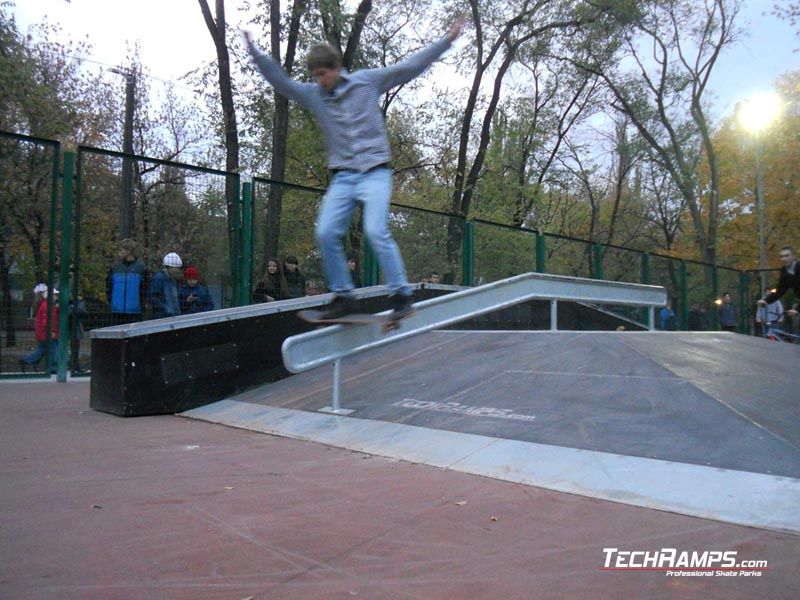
column 739, row 497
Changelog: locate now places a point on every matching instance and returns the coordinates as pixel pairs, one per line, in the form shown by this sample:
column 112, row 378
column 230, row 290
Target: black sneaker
column 339, row 307
column 403, row 306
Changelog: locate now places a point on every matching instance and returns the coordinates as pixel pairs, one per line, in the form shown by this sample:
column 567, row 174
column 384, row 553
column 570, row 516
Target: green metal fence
column 80, row 205
column 29, row 205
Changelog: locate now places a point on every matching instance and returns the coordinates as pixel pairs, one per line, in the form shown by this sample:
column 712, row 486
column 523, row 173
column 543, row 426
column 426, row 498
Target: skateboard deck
column 387, row 323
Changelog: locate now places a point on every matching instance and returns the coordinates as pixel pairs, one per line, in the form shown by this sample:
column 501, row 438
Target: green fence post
column 247, row 241
column 715, row 295
column 541, row 253
column 54, row 177
column 370, row 263
column 598, row 260
column 684, row 310
column 236, row 243
column 743, row 303
column 645, row 268
column 63, row 277
column 467, row 254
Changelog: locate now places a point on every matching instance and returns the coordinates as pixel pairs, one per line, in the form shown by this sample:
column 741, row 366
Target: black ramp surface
column 612, row 392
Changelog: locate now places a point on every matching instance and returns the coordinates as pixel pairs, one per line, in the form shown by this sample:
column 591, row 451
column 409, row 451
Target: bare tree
column 674, row 45
column 217, row 27
column 498, row 39
column 280, row 119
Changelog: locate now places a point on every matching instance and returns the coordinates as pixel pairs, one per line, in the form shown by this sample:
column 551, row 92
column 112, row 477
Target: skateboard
column 386, row 322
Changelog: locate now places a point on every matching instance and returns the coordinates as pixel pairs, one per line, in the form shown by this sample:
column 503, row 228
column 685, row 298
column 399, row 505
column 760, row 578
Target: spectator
column 126, row 284
column 39, row 295
column 668, row 322
column 163, row 294
column 295, row 281
column 771, row 313
column 789, row 279
column 698, row 319
column 77, row 315
column 728, row 315
column 192, row 295
column 352, row 267
column 435, row 278
column 273, row 286
column 44, row 340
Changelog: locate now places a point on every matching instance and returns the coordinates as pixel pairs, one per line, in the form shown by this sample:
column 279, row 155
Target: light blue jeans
column 374, row 190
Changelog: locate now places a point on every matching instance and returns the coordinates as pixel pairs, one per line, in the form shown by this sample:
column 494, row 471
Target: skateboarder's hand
column 761, row 302
column 455, row 29
column 791, row 312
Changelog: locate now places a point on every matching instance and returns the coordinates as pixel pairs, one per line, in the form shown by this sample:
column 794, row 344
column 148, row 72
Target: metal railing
column 332, row 344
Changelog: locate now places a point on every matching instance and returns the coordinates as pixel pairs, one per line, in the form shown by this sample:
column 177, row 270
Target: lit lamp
column 755, row 115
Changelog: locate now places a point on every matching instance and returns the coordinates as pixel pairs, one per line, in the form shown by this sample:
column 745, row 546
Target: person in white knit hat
column 163, row 294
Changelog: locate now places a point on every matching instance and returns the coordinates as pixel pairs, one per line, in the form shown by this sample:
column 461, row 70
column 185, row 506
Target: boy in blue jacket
column 126, row 285
column 163, row 294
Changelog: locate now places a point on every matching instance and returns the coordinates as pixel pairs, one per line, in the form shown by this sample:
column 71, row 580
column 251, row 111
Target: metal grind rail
column 334, row 343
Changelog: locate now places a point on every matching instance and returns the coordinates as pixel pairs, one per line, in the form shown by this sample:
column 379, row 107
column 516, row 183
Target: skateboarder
column 346, row 108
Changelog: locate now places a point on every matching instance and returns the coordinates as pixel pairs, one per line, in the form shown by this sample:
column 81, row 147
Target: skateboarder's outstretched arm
column 277, row 77
column 406, row 70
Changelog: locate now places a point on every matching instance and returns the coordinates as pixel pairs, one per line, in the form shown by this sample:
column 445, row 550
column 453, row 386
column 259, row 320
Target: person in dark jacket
column 789, row 280
column 728, row 315
column 698, row 319
column 192, row 295
column 163, row 294
column 668, row 321
column 126, row 285
column 273, row 286
column 295, row 280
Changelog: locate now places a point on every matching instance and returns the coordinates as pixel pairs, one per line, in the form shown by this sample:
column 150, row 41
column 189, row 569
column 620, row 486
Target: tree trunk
column 217, row 29
column 280, row 122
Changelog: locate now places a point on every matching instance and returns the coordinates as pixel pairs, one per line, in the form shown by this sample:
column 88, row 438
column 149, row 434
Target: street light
column 755, row 115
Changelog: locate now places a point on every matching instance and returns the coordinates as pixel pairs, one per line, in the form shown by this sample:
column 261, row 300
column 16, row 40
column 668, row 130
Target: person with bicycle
column 789, row 280
column 768, row 315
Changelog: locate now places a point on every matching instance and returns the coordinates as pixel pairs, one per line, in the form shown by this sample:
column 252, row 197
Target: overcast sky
column 174, row 39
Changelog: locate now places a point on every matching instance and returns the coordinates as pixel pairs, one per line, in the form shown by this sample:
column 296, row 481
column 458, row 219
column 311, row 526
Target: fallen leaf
column 96, row 506
column 228, row 488
column 461, row 503
column 493, row 518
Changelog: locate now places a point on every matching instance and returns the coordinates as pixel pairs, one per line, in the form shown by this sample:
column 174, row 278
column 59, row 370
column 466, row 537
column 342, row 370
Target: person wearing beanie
column 39, row 296
column 163, row 294
column 192, row 295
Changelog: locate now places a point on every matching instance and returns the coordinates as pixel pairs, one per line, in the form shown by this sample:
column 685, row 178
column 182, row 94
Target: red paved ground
column 194, row 510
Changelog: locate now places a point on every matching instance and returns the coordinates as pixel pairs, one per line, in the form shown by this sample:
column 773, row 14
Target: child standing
column 45, row 341
column 193, row 296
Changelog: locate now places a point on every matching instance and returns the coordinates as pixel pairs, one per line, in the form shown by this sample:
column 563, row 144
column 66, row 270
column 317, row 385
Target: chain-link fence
column 226, row 234
column 29, row 170
column 171, row 217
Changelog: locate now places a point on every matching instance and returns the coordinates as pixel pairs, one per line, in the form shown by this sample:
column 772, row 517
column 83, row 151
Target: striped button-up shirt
column 351, row 121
